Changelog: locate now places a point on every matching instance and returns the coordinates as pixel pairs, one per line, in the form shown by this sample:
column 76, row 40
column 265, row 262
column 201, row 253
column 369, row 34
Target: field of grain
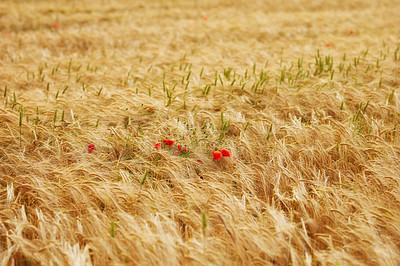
column 305, row 96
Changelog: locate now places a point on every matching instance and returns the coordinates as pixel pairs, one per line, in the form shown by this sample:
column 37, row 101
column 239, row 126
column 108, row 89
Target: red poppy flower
column 328, row 45
column 101, row 19
column 217, row 155
column 179, row 147
column 225, row 153
column 91, row 148
column 168, row 142
column 55, row 25
column 351, row 31
column 157, row 145
column 205, row 18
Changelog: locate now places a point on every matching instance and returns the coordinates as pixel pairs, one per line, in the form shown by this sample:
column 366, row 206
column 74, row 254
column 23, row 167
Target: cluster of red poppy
column 217, row 155
column 170, row 143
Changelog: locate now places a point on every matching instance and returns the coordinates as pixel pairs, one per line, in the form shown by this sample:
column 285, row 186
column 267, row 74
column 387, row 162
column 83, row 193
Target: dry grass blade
column 110, row 112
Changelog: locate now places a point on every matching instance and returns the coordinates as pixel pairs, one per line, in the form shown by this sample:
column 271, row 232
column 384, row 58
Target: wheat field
column 110, row 112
